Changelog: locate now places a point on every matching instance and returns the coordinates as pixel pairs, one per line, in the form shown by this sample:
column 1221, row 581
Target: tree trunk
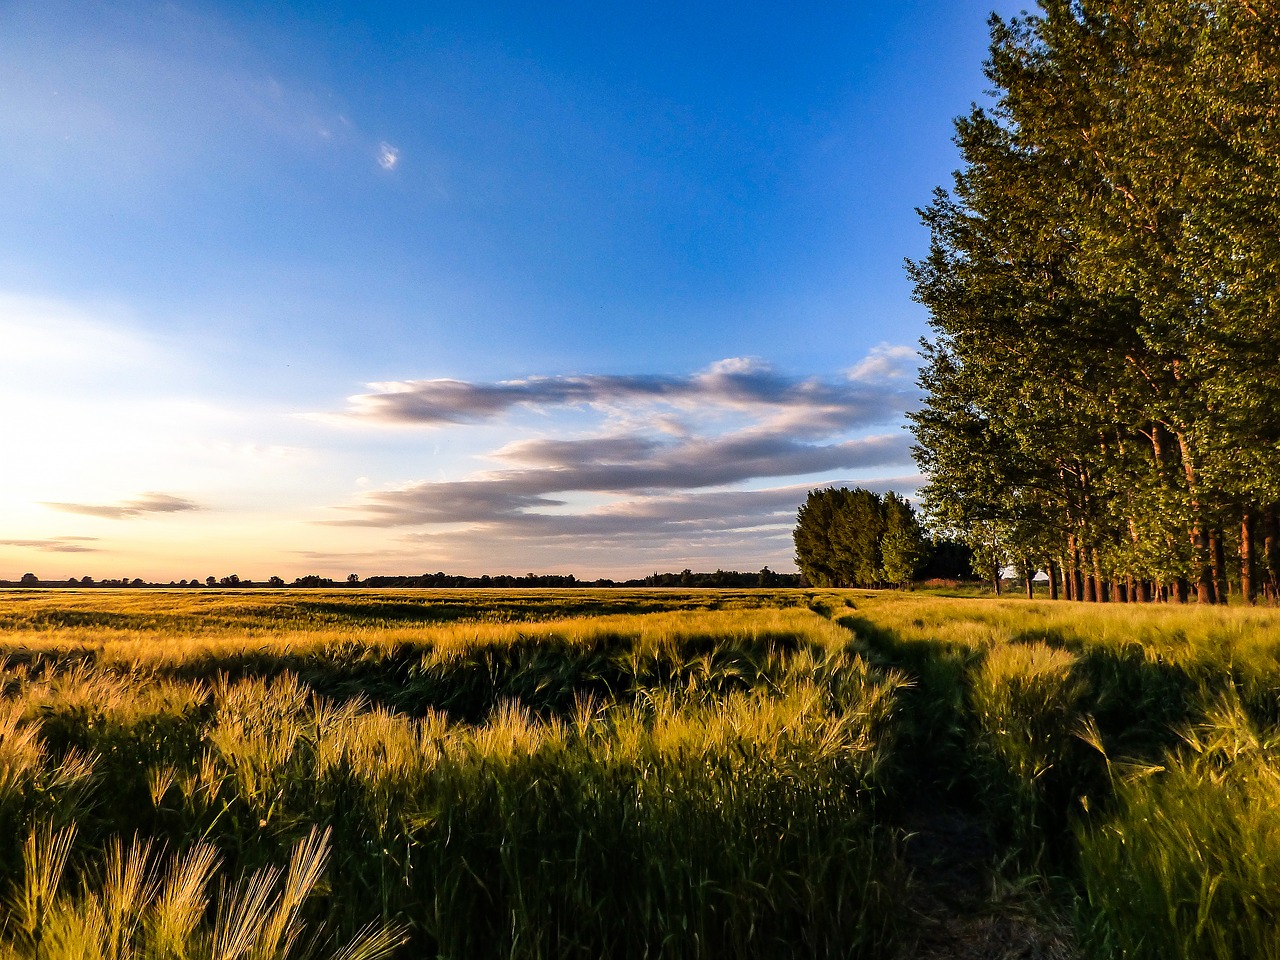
column 1221, row 588
column 1181, row 590
column 1248, row 581
column 1069, row 570
column 1077, row 574
column 1053, row 579
column 1031, row 586
column 1099, row 582
column 1270, row 548
column 1200, row 546
column 1201, row 550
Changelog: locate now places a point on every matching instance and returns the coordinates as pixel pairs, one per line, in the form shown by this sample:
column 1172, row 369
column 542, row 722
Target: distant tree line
column 231, row 580
column 449, row 580
column 1103, row 377
column 858, row 538
column 686, row 578
column 721, row 578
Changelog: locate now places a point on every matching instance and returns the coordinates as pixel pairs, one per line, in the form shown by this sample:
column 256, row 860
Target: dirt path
column 963, row 912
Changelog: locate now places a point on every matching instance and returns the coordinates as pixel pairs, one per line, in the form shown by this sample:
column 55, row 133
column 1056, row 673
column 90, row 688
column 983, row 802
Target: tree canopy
column 856, row 538
column 1103, row 280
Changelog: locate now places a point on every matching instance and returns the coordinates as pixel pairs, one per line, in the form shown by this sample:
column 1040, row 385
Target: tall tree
column 848, row 538
column 902, row 544
column 1102, row 282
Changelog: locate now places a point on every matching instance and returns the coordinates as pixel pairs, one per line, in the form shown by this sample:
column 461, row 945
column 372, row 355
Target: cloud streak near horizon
column 653, row 520
column 128, row 509
column 683, row 465
column 55, row 544
column 686, row 462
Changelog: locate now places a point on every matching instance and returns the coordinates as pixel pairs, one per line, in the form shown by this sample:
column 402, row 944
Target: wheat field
column 644, row 773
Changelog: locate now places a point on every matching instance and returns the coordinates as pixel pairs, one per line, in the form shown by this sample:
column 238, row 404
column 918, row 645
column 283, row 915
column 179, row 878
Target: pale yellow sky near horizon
column 135, row 459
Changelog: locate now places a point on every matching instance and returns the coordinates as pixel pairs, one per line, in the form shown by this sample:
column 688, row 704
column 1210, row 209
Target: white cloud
column 100, row 409
column 886, row 362
column 43, row 336
column 388, row 156
column 594, row 474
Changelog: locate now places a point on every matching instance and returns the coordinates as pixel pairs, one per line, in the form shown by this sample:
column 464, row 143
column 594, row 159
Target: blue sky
column 558, row 287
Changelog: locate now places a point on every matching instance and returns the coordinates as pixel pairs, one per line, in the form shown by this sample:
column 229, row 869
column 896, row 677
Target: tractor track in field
column 959, row 907
column 961, row 903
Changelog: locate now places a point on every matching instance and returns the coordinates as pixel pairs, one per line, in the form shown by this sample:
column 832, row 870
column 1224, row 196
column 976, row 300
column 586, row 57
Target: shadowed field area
column 647, row 773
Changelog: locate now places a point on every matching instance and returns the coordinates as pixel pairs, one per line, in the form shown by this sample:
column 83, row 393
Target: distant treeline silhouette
column 685, row 578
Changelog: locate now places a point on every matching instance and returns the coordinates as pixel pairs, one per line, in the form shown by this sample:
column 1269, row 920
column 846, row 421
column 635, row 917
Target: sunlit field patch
column 642, row 773
column 495, row 775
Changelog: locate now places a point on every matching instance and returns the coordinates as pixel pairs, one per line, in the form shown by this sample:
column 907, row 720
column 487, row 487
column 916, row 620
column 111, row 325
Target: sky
column 567, row 287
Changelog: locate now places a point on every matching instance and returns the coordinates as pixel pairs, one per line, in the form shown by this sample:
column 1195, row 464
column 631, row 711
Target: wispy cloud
column 687, row 465
column 141, row 95
column 43, row 335
column 871, row 394
column 388, row 156
column 743, row 529
column 55, row 544
column 662, row 463
column 662, row 519
column 128, row 509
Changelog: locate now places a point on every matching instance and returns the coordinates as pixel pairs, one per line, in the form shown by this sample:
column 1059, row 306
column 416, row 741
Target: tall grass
column 139, row 905
column 1185, row 866
column 630, row 775
column 691, row 783
column 1137, row 745
column 1027, row 708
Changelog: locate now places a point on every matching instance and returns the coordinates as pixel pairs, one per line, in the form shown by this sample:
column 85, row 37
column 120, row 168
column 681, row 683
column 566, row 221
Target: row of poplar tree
column 1103, row 382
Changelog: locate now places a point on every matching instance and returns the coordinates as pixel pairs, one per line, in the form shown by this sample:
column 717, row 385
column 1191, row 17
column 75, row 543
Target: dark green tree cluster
column 1104, row 285
column 856, row 538
column 719, row 578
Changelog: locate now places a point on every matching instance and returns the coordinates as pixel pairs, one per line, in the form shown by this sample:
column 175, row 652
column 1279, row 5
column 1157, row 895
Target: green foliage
column 1101, row 283
column 857, row 538
column 814, row 535
column 902, row 544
